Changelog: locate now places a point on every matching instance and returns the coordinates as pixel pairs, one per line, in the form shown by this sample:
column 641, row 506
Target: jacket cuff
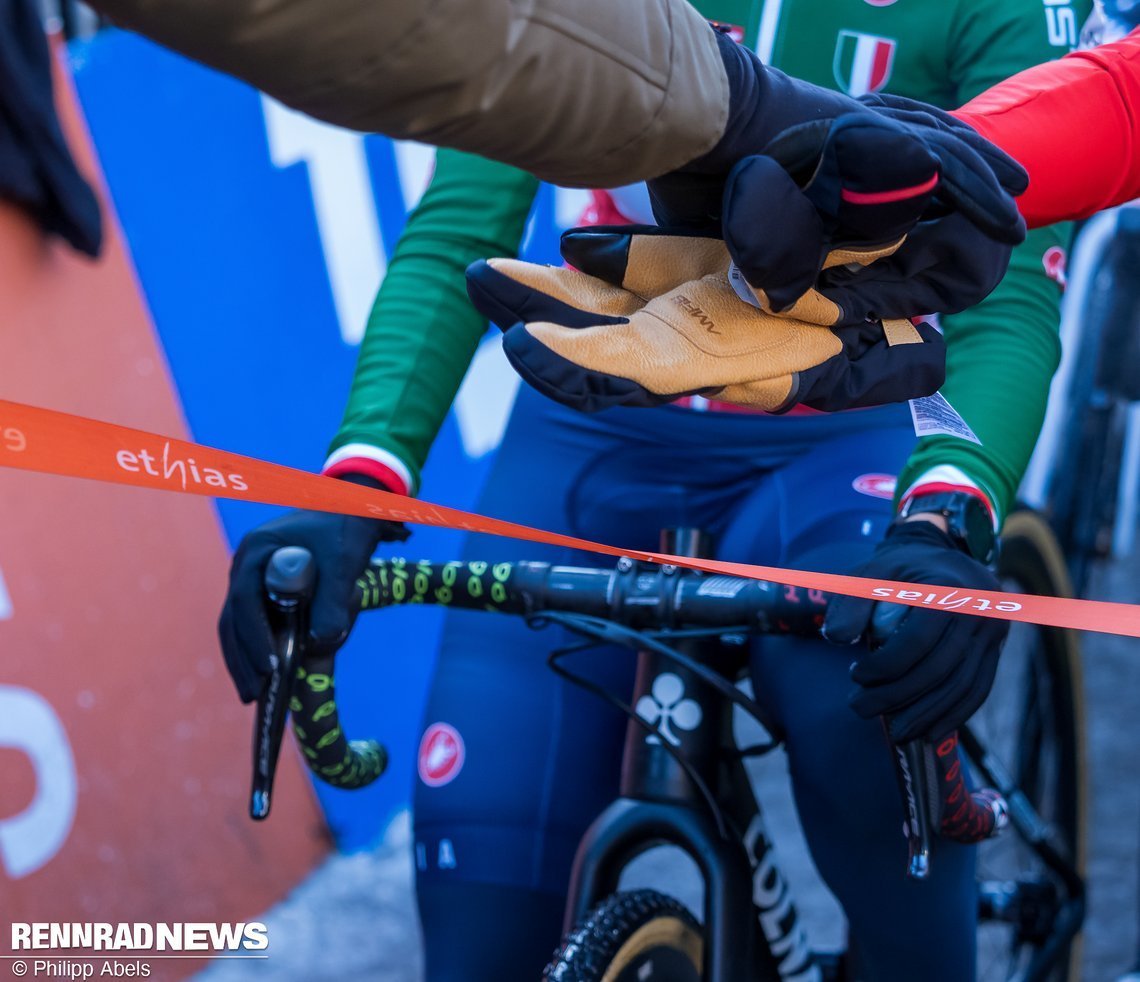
column 375, row 462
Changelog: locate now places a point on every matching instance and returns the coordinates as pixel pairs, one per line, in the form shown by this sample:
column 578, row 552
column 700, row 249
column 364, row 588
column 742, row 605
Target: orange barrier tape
column 59, row 443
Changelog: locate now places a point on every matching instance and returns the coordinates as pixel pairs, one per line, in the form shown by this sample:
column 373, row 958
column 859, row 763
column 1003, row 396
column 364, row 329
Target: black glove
column 341, row 545
column 858, row 179
column 958, row 253
column 936, row 668
column 763, row 103
column 974, row 172
column 828, row 172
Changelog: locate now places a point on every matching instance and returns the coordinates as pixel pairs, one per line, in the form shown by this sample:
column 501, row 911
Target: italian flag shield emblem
column 863, row 62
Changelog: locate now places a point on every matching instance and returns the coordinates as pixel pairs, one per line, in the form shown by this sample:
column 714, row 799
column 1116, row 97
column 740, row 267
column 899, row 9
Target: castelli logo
column 441, row 755
column 1054, row 262
column 876, row 485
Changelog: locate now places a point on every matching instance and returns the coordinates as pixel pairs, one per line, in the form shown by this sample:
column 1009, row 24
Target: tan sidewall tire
column 1030, row 528
column 661, row 932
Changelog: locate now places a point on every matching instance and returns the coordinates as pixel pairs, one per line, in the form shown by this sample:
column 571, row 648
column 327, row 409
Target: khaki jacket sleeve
column 578, row 92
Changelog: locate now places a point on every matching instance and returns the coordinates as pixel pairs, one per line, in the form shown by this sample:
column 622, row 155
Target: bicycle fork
column 662, row 802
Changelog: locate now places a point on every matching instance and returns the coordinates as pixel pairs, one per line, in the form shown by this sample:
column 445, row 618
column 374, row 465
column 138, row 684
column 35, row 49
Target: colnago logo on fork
column 776, row 910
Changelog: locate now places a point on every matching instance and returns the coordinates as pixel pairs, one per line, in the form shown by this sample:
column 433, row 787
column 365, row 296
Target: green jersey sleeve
column 423, row 331
column 1001, row 354
column 1000, row 358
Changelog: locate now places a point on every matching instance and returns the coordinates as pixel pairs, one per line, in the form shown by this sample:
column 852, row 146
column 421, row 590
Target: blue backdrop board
column 260, row 237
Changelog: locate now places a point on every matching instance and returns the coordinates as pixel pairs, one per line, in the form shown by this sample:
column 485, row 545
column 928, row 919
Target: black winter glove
column 826, row 171
column 958, row 253
column 974, row 171
column 936, row 668
column 341, row 545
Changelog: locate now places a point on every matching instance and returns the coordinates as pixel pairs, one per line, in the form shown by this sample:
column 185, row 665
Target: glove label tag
column 741, row 287
column 934, row 416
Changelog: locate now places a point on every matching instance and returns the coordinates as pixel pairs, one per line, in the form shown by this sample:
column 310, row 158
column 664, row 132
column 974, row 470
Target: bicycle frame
column 1042, row 839
column 752, row 926
column 683, row 781
column 659, row 804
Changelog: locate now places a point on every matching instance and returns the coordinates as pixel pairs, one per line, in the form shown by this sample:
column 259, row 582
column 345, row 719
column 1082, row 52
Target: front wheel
column 630, row 937
column 1031, row 725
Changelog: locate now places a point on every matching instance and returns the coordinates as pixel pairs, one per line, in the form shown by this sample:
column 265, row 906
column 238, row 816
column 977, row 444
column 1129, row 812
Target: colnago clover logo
column 666, row 707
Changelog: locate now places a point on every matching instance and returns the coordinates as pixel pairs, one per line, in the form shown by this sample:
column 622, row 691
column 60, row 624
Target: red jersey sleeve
column 1072, row 124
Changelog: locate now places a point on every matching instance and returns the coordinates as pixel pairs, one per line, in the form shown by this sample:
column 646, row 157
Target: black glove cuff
column 901, row 532
column 387, row 530
column 969, row 523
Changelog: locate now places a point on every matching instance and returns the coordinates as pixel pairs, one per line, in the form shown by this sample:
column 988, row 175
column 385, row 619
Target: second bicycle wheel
column 630, row 937
column 1032, row 727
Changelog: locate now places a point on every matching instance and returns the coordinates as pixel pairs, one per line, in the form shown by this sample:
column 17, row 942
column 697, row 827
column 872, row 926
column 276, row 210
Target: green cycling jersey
column 422, row 332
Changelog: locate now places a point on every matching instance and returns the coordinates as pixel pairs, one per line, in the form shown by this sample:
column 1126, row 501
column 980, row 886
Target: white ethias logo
column 666, row 707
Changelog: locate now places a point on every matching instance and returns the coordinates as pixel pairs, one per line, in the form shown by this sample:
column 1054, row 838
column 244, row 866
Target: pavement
column 1112, row 721
column 355, row 917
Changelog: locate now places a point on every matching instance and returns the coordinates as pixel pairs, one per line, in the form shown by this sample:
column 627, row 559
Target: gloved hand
column 773, row 114
column 829, row 172
column 618, row 270
column 974, row 172
column 341, row 545
column 658, row 318
column 936, row 668
column 838, row 188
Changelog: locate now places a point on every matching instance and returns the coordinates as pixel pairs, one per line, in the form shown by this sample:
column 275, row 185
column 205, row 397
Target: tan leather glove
column 659, row 319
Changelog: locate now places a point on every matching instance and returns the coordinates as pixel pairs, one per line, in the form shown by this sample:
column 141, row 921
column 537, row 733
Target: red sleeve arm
column 1072, row 124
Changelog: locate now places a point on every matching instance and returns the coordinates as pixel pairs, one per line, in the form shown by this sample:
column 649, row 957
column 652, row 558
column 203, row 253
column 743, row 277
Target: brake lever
column 914, row 785
column 289, row 580
column 910, row 762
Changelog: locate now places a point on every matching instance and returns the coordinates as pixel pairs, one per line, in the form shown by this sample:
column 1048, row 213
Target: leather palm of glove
column 935, row 668
column 341, row 545
column 650, row 315
column 829, row 172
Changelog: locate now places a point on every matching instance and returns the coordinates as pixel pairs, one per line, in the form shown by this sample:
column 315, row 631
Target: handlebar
column 636, row 595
